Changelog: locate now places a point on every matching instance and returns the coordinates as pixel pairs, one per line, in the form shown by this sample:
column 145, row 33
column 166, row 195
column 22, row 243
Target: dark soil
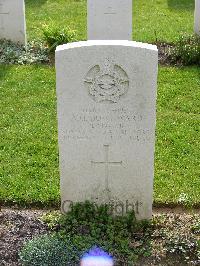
column 18, row 226
column 164, row 53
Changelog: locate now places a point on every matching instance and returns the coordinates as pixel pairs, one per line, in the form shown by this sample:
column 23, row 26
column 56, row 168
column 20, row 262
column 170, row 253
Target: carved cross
column 107, row 163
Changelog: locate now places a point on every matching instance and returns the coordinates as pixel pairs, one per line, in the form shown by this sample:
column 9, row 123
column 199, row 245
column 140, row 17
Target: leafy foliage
column 48, row 250
column 187, row 248
column 55, row 35
column 187, row 50
column 87, row 225
column 52, row 219
column 196, row 229
column 33, row 53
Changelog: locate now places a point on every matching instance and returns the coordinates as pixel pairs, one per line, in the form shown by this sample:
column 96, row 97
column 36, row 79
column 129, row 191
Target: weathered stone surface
column 106, row 93
column 12, row 20
column 109, row 19
column 197, row 17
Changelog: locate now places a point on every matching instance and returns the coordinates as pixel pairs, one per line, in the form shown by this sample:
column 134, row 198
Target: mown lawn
column 29, row 156
column 153, row 20
column 29, row 153
column 28, row 149
column 177, row 169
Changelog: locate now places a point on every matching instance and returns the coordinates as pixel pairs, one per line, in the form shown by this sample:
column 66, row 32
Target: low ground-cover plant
column 33, row 53
column 196, row 229
column 186, row 50
column 185, row 248
column 121, row 236
column 130, row 242
column 84, row 227
column 55, row 36
column 48, row 250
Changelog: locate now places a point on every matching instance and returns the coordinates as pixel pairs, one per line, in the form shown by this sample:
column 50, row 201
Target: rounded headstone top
column 106, row 43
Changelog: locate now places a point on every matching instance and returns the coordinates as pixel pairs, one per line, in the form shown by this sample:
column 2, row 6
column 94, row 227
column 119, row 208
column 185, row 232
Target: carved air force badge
column 107, row 82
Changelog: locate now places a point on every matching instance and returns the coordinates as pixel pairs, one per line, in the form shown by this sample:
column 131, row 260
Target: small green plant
column 51, row 219
column 198, row 249
column 55, row 35
column 48, row 250
column 187, row 50
column 33, row 53
column 187, row 248
column 88, row 224
column 196, row 229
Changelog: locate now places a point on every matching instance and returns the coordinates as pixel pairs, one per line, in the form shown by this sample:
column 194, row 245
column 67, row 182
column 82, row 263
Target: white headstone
column 12, row 20
column 197, row 17
column 106, row 93
column 109, row 20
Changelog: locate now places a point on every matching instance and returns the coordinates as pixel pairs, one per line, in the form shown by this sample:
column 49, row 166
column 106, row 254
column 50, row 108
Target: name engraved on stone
column 114, row 125
column 87, row 123
column 107, row 163
column 110, row 11
column 107, row 82
column 106, row 117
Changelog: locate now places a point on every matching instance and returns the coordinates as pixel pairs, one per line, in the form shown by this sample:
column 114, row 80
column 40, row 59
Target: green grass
column 178, row 136
column 29, row 156
column 153, row 20
column 29, row 153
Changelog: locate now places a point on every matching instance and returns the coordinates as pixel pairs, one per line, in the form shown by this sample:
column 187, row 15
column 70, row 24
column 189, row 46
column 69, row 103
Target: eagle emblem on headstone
column 107, row 82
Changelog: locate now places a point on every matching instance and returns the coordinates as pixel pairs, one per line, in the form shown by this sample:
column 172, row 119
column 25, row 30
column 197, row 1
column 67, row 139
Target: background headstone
column 197, row 17
column 106, row 121
column 12, row 21
column 109, row 19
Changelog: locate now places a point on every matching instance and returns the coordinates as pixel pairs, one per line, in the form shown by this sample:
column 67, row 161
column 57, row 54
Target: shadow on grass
column 181, row 4
column 4, row 70
column 34, row 3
